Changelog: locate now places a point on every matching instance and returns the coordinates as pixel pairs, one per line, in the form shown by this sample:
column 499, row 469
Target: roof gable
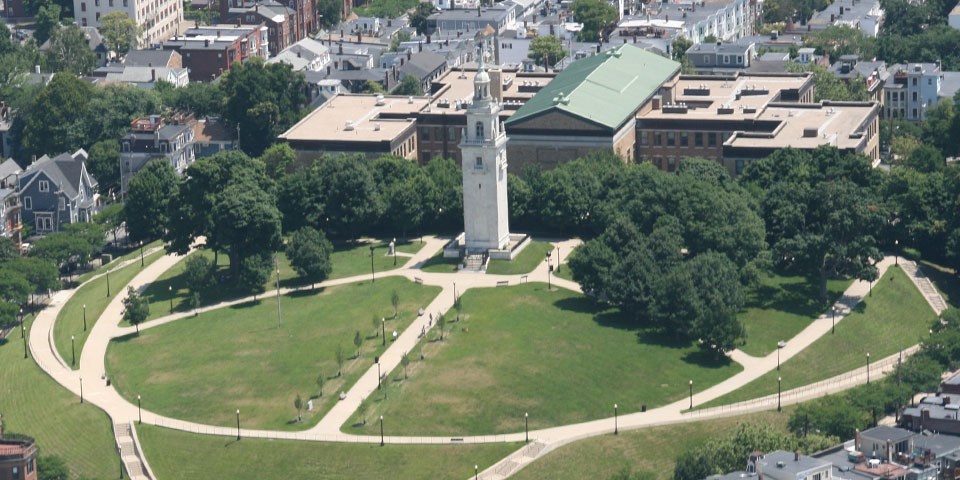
column 606, row 88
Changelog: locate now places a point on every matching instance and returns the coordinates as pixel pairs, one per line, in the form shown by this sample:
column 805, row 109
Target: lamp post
column 381, row 430
column 780, row 345
column 779, row 380
column 107, row 274
column 170, row 293
column 476, row 472
column 691, row 394
column 373, row 278
column 549, row 269
column 141, row 253
column 833, row 322
column 238, row 424
column 278, row 293
column 896, row 252
column 20, row 313
column 73, row 351
column 394, row 251
column 616, row 426
column 868, row 368
column 383, row 330
column 454, row 293
column 558, row 258
column 526, row 427
column 23, row 335
column 81, row 389
column 84, row 317
column 120, row 452
column 139, row 414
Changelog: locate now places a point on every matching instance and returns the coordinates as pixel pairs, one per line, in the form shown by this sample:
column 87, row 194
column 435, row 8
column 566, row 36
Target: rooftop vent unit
column 380, row 101
column 725, row 110
column 754, row 90
column 781, row 465
column 810, row 132
column 349, row 127
column 702, row 91
column 675, row 108
column 749, row 109
column 443, row 104
column 376, row 127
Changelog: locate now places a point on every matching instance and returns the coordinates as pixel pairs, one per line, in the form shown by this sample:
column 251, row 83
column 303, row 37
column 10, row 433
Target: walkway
column 328, row 429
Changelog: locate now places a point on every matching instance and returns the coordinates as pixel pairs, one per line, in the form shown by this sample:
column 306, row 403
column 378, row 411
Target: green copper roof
column 606, row 88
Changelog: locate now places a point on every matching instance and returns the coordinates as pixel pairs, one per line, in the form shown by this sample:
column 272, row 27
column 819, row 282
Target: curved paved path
column 328, row 428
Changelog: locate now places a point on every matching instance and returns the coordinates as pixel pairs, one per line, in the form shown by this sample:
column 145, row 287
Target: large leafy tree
column 64, row 249
column 148, row 196
column 119, row 32
column 309, row 253
column 418, row 19
column 70, row 51
column 47, row 21
column 329, row 12
column 596, row 16
column 263, row 100
column 821, row 210
column 546, row 48
column 246, row 223
column 57, row 120
column 104, row 164
column 720, row 455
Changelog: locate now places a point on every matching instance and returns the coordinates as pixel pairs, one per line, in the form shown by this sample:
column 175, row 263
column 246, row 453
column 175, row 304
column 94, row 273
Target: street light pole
column 23, row 335
column 558, row 258
column 73, row 351
column 526, row 427
column 107, row 274
column 373, row 277
column 896, row 252
column 616, row 426
column 691, row 394
column 238, row 424
column 120, row 452
column 383, row 330
column 833, row 323
column 549, row 269
column 81, row 389
column 84, row 317
column 141, row 253
column 278, row 293
column 139, row 414
column 476, row 472
column 381, row 430
column 780, row 346
column 868, row 368
column 779, row 380
column 170, row 293
column 394, row 251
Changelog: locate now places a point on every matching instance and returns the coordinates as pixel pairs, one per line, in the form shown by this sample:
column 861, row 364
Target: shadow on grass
column 707, row 360
column 799, row 298
column 437, row 263
column 945, row 281
column 125, row 338
column 662, row 338
column 580, row 304
column 305, row 292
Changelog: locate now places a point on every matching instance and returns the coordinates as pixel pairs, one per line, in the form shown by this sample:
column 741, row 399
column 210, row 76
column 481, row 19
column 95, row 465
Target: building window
column 83, row 6
column 914, row 96
column 711, row 139
column 83, row 21
column 929, row 81
column 698, row 139
column 44, row 186
column 914, row 113
column 479, row 130
column 671, row 139
column 643, row 138
column 684, row 140
column 739, row 60
column 63, row 203
column 98, row 16
column 27, row 203
column 425, row 134
column 657, row 139
column 479, row 163
column 914, row 82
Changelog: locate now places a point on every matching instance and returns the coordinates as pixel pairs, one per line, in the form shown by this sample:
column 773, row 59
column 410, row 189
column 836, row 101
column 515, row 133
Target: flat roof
column 357, row 118
column 459, row 87
column 838, row 125
column 704, row 96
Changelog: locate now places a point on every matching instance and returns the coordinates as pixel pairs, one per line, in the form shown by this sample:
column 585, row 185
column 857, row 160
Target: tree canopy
column 596, row 17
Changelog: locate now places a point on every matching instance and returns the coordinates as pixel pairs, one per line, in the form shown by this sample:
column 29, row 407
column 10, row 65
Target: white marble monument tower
column 484, row 151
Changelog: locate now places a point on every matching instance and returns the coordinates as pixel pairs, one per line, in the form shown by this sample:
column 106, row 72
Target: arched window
column 479, row 130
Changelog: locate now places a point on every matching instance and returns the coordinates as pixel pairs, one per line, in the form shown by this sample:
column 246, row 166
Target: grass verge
column 93, row 294
column 524, row 262
column 557, row 355
column 33, row 404
column 202, row 369
column 174, row 454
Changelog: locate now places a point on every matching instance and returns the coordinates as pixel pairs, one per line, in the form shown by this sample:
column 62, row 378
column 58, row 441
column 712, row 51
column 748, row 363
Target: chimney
column 409, row 54
column 206, row 42
column 340, row 50
column 153, row 75
column 889, row 451
column 329, row 68
column 420, row 46
column 796, row 455
column 857, row 440
column 37, row 69
column 496, row 84
column 428, row 40
column 478, row 10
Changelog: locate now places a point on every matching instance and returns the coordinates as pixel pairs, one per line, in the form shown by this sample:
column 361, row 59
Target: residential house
column 864, row 15
column 57, row 191
column 279, row 20
column 426, row 67
column 290, row 22
column 781, row 465
column 210, row 136
column 6, row 124
column 910, row 90
column 720, row 57
column 18, row 459
column 145, row 77
column 499, row 18
column 153, row 58
column 725, row 20
column 305, row 55
column 10, row 223
column 151, row 138
column 873, row 73
column 94, row 41
column 209, row 51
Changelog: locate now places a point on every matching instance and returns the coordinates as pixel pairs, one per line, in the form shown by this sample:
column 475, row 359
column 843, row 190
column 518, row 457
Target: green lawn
column 438, row 264
column 652, row 450
column 348, row 260
column 94, row 295
column 895, row 317
column 780, row 307
column 564, row 272
column 556, row 355
column 527, row 260
column 174, row 454
column 133, row 253
column 202, row 369
column 33, row 404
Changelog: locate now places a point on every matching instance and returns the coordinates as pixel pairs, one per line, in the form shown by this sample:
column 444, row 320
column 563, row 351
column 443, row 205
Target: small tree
column 339, row 354
column 198, row 273
column 309, row 254
column 135, row 308
column 119, row 32
column 404, row 360
column 321, row 380
column 298, row 404
column 395, row 300
column 441, row 323
column 362, row 411
column 357, row 340
column 546, row 50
